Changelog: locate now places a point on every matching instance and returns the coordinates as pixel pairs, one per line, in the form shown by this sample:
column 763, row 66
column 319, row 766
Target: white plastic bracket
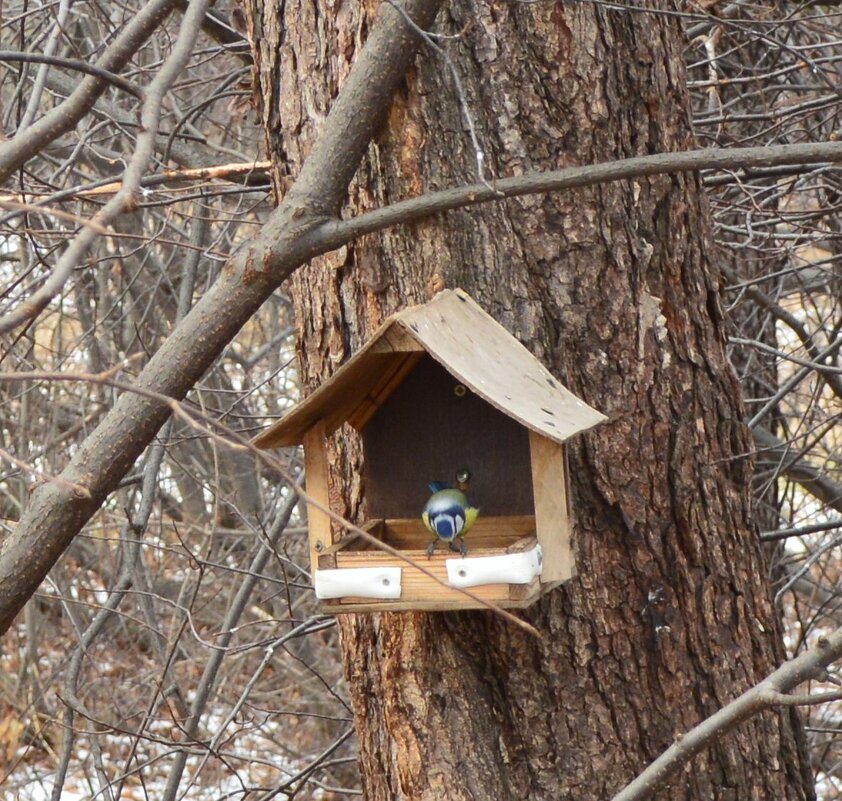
column 508, row 568
column 361, row 582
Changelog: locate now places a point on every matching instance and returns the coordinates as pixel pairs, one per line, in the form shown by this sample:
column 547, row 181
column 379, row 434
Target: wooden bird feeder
column 439, row 387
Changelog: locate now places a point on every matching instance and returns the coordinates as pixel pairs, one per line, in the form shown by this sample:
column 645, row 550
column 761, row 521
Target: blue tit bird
column 448, row 514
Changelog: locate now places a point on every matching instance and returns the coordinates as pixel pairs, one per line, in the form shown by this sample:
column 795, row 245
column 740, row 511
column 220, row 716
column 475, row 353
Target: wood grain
column 552, row 520
column 466, row 603
column 490, row 537
column 318, row 488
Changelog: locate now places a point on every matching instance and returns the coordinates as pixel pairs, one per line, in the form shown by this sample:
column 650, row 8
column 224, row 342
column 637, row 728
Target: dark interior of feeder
column 430, row 427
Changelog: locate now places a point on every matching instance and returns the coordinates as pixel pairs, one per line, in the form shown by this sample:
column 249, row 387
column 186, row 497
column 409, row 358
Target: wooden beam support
column 318, row 488
column 552, row 521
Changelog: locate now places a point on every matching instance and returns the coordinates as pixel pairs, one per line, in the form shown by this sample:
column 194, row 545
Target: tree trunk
column 612, row 287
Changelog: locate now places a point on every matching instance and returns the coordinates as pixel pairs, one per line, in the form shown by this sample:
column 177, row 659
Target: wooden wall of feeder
column 441, row 387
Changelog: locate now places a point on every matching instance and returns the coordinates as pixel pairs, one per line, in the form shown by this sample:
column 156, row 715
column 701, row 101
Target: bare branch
column 800, row 531
column 771, row 692
column 76, row 66
column 339, row 232
column 232, row 616
column 15, row 152
column 219, row 172
column 797, row 469
column 125, row 199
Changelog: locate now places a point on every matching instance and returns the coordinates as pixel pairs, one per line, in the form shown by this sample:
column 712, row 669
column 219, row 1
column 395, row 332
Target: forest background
column 175, row 649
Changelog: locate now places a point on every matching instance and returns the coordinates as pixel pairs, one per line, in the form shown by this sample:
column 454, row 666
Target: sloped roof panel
column 485, row 357
column 469, row 344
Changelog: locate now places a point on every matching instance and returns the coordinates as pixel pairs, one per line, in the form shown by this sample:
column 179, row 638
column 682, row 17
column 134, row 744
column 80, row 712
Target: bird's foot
column 461, row 548
column 431, row 548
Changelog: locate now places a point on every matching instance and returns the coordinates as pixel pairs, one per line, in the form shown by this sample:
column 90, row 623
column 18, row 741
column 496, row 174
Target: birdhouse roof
column 472, row 346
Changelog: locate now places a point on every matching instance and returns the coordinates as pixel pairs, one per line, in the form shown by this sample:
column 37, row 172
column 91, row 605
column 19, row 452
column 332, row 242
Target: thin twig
column 14, row 153
column 125, row 199
column 78, row 66
column 460, row 90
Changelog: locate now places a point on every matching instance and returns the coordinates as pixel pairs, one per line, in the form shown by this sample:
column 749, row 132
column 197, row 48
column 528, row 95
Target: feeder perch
column 439, row 387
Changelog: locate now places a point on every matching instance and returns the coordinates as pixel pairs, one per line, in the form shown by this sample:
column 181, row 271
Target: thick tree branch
column 773, row 691
column 339, row 232
column 56, row 514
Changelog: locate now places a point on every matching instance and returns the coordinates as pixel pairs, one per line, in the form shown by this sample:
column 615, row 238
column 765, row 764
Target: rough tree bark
column 615, row 289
